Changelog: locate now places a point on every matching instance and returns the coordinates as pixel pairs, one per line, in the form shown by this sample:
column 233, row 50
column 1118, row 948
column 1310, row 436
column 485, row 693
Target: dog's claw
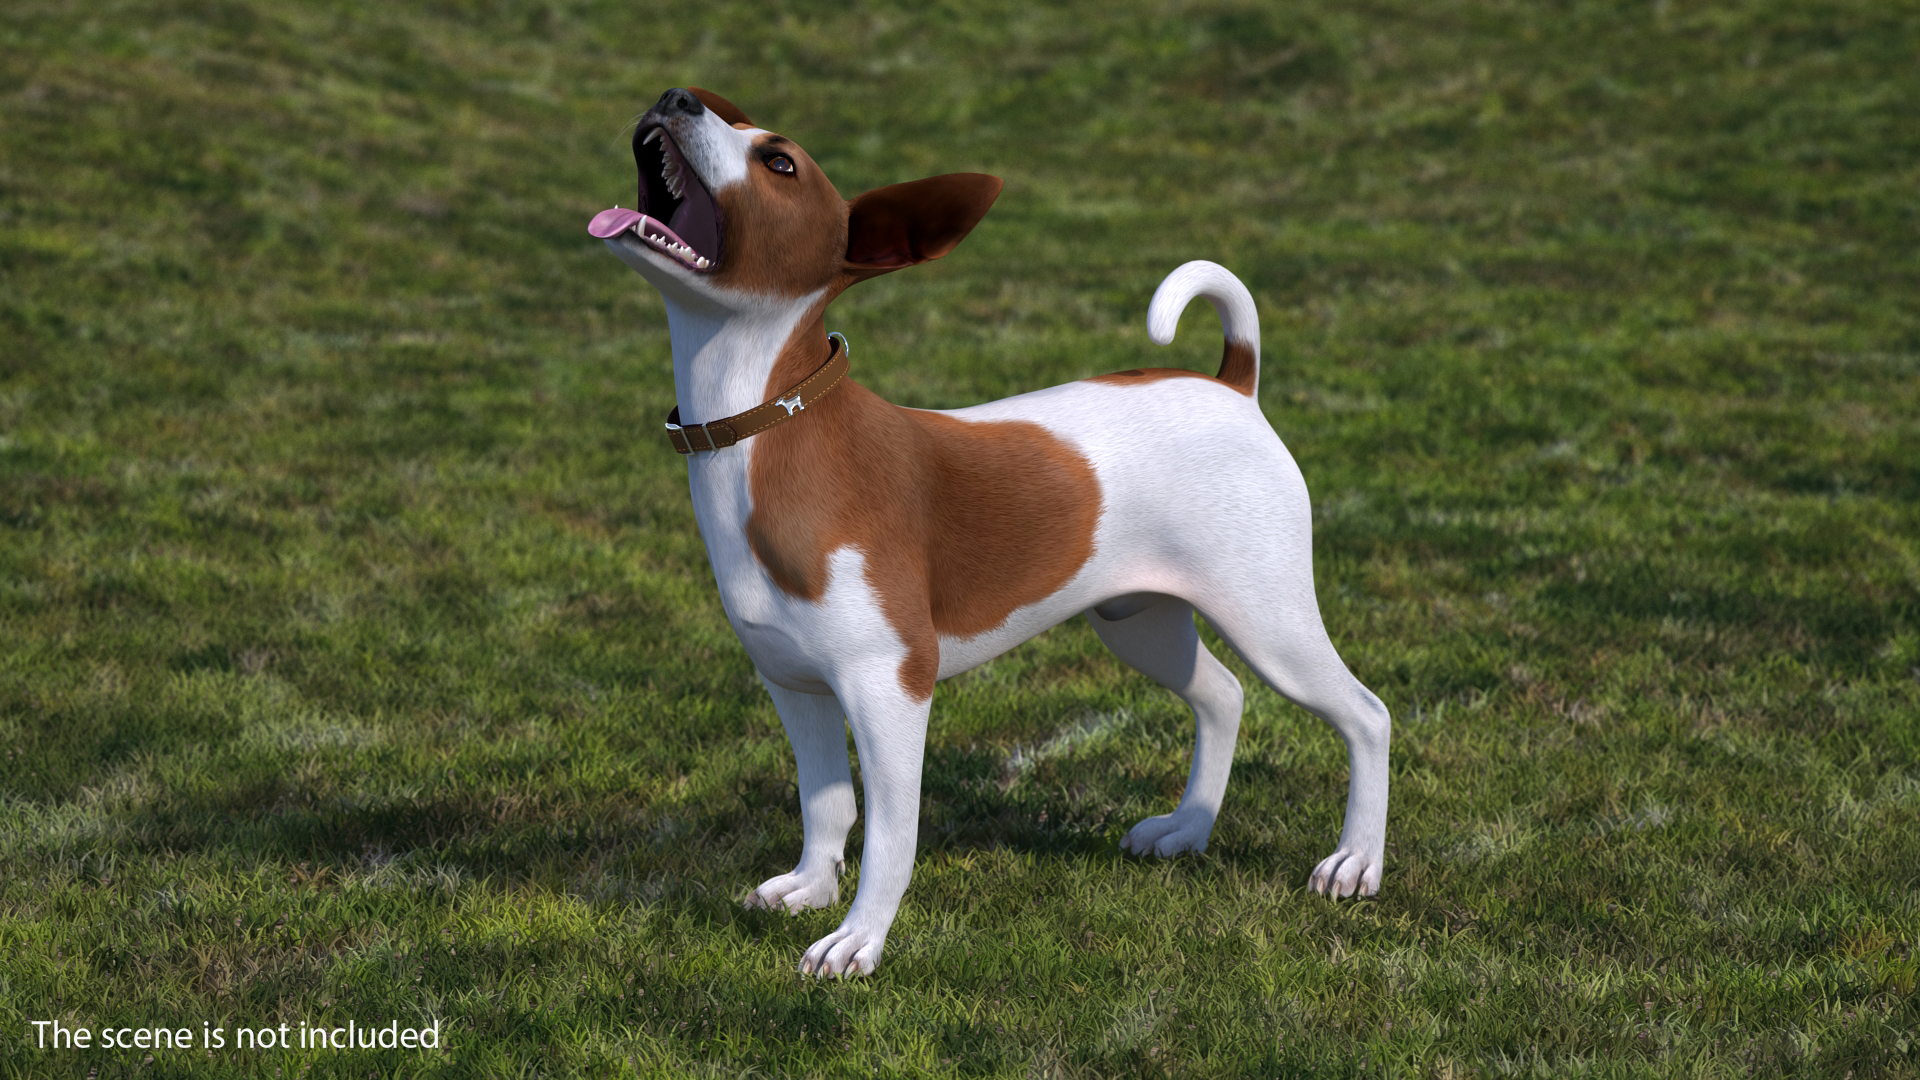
column 850, row 950
column 1346, row 873
column 795, row 893
column 1170, row 834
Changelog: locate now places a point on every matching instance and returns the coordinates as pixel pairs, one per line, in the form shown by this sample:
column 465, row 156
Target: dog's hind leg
column 1287, row 646
column 817, row 729
column 1161, row 642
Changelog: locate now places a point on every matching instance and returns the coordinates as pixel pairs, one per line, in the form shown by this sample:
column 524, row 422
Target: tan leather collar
column 720, row 434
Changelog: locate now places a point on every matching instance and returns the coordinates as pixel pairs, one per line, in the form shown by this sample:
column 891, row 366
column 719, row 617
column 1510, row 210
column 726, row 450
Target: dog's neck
column 728, row 360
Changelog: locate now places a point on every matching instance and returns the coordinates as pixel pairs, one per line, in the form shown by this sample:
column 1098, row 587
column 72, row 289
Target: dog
column 865, row 551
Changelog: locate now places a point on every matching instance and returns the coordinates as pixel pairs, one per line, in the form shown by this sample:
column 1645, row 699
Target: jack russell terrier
column 865, row 551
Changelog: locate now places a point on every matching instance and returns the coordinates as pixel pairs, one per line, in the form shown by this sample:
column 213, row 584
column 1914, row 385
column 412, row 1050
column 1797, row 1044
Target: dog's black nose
column 680, row 100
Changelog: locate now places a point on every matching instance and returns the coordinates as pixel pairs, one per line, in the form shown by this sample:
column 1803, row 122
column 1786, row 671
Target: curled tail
column 1239, row 320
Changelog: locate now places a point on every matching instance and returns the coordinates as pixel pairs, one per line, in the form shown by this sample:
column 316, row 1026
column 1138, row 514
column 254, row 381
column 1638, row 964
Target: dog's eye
column 781, row 163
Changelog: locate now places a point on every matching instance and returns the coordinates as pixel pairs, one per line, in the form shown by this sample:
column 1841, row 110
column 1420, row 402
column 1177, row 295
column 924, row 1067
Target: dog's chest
column 793, row 641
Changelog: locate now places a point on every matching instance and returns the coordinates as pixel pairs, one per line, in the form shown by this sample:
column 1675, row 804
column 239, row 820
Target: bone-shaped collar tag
column 720, row 434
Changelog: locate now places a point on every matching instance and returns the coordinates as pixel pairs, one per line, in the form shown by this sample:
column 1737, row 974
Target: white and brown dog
column 866, row 551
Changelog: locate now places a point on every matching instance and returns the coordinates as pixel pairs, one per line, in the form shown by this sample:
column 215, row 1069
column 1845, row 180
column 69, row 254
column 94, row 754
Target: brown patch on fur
column 790, row 234
column 1140, row 376
column 961, row 523
column 1237, row 370
column 844, row 242
column 724, row 109
column 785, row 234
column 903, row 224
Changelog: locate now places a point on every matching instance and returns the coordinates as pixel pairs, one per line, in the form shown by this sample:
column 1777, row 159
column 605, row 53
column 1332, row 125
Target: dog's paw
column 795, row 893
column 851, row 950
column 1347, row 871
column 1170, row 834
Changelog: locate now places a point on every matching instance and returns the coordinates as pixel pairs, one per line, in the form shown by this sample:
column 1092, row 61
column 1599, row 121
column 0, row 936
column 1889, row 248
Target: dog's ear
column 904, row 224
column 722, row 108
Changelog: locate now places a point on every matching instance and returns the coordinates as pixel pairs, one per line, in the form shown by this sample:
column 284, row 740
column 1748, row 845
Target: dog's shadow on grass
column 971, row 802
column 437, row 838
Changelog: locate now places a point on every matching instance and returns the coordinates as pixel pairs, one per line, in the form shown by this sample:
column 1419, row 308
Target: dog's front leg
column 818, row 732
column 890, row 733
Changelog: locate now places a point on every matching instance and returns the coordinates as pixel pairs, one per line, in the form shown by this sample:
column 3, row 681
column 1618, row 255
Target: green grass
column 359, row 658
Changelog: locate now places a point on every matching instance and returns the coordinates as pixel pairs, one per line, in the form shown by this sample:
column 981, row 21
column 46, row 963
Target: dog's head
column 731, row 214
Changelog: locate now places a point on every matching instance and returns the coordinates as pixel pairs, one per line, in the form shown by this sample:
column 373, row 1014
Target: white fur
column 1239, row 318
column 716, row 149
column 1219, row 522
column 1202, row 509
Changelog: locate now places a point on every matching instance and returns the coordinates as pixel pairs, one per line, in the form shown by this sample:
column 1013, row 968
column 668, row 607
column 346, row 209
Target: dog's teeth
column 684, row 252
column 652, row 135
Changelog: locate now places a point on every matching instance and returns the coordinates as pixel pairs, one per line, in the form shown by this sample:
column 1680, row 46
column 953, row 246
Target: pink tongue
column 613, row 222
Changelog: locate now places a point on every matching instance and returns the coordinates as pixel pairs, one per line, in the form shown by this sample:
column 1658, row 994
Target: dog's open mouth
column 676, row 216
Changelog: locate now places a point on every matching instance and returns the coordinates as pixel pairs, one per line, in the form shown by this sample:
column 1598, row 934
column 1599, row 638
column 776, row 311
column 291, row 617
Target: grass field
column 359, row 659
